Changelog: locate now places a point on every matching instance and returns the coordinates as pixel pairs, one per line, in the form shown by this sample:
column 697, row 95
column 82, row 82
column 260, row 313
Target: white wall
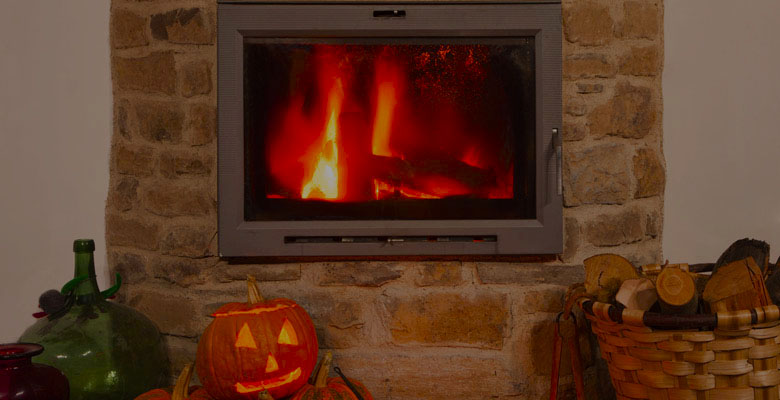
column 55, row 125
column 721, row 90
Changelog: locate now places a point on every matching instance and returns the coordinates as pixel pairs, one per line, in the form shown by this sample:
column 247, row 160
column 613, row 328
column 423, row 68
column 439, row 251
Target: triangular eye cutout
column 287, row 335
column 245, row 338
column 271, row 365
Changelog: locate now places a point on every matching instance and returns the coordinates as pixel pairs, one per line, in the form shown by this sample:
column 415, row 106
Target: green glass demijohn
column 106, row 350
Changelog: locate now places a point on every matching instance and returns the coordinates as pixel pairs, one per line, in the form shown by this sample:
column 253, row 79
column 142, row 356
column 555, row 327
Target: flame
column 324, row 181
column 383, row 119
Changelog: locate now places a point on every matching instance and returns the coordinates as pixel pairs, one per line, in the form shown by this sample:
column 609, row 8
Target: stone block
column 202, row 124
column 433, row 375
column 195, row 78
column 574, row 107
column 653, row 224
column 445, row 273
column 138, row 161
column 131, row 232
column 630, row 113
column 541, row 334
column 181, row 351
column 596, row 175
column 588, row 88
column 572, row 238
column 176, row 164
column 640, row 61
column 529, row 274
column 131, row 266
column 128, row 29
column 573, row 132
column 588, row 65
column 615, row 229
column 543, row 301
column 263, row 273
column 160, row 122
column 190, row 25
column 122, row 119
column 339, row 320
column 155, row 73
column 649, row 173
column 640, row 20
column 448, row 319
column 191, row 241
column 175, row 200
column 587, row 23
column 124, row 194
column 359, row 274
column 182, row 271
column 172, row 313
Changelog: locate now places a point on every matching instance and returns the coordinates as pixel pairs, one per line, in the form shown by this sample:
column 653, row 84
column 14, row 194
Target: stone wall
column 409, row 330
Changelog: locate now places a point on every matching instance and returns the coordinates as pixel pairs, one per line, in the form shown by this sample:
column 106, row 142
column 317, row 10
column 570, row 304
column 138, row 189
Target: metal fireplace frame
column 241, row 238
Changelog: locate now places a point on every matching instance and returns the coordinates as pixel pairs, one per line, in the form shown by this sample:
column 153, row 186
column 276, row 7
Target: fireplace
column 415, row 129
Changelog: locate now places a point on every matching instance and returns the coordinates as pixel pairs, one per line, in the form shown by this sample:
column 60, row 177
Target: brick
column 587, row 23
column 173, row 314
column 131, row 266
column 263, row 273
column 136, row 161
column 588, row 65
column 359, row 274
column 176, row 164
column 649, row 173
column 195, row 78
column 640, row 61
column 572, row 238
column 615, row 229
column 529, row 274
column 640, row 20
column 176, row 200
column 182, row 25
column 630, row 113
column 128, row 29
column 431, row 375
column 588, row 88
column 130, row 232
column 124, row 194
column 596, row 175
column 202, row 124
column 160, row 122
column 155, row 73
column 439, row 274
column 448, row 319
column 188, row 241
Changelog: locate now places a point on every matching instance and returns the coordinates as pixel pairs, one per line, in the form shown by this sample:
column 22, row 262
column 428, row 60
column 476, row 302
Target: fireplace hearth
column 422, row 129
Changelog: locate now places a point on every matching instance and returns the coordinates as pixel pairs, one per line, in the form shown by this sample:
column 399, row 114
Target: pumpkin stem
column 253, row 292
column 323, row 369
column 181, row 390
column 264, row 395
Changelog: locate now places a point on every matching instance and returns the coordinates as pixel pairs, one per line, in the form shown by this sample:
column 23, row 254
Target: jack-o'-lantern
column 255, row 346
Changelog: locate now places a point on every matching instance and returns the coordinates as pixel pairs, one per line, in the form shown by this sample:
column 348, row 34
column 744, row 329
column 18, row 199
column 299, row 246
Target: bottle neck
column 85, row 266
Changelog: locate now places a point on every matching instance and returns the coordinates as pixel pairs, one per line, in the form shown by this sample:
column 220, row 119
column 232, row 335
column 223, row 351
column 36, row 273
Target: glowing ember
column 324, row 182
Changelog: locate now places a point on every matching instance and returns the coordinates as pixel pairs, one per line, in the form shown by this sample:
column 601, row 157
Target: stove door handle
column 558, row 144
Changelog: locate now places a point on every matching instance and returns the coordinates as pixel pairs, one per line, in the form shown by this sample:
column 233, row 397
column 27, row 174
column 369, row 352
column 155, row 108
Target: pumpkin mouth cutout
column 249, row 387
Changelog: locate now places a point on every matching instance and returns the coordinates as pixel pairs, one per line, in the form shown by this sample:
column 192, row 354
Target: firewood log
column 411, row 171
column 605, row 273
column 637, row 294
column 736, row 286
column 677, row 293
column 742, row 249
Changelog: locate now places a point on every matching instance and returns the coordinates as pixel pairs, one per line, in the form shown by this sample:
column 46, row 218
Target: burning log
column 422, row 174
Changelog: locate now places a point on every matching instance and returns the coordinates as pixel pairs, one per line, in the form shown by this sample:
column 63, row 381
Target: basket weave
column 731, row 355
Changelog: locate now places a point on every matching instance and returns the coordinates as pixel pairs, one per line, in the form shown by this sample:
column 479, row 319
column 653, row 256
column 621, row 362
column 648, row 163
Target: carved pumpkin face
column 256, row 346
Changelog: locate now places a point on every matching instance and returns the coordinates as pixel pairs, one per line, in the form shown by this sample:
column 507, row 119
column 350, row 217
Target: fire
column 324, row 182
column 383, row 119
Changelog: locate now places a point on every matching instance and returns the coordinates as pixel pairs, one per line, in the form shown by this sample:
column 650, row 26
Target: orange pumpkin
column 180, row 391
column 255, row 346
column 325, row 388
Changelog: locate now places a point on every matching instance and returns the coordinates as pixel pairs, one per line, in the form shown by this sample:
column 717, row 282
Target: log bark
column 677, row 293
column 742, row 249
column 736, row 286
column 411, row 172
column 773, row 283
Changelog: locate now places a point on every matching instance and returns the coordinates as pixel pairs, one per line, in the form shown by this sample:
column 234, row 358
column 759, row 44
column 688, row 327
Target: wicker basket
column 729, row 355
